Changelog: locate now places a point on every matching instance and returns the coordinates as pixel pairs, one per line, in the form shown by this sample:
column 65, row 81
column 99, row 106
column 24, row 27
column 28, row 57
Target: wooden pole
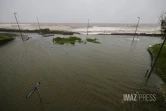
column 19, row 26
column 38, row 23
column 136, row 28
column 88, row 27
column 39, row 92
column 146, row 73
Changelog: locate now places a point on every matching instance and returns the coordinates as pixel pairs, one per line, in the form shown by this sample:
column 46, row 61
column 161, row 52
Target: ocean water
column 94, row 28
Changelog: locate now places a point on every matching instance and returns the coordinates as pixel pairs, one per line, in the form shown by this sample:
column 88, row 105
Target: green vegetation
column 160, row 67
column 71, row 40
column 92, row 40
column 43, row 31
column 48, row 31
column 6, row 36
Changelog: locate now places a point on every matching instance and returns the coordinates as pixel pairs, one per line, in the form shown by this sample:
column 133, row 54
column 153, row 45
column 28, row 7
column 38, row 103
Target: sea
column 92, row 28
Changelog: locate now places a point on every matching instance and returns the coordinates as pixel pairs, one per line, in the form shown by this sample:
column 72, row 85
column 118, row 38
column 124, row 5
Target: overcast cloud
column 78, row 11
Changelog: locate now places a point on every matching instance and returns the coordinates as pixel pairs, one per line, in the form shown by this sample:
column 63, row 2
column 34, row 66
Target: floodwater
column 84, row 77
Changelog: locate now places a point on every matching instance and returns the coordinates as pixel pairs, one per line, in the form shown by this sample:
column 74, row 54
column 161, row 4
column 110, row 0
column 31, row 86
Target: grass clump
column 48, row 31
column 160, row 67
column 71, row 40
column 6, row 36
column 92, row 40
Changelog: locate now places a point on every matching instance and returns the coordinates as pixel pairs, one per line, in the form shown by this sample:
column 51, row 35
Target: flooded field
column 84, row 77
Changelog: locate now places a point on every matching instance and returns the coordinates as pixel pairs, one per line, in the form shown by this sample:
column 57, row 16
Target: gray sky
column 78, row 11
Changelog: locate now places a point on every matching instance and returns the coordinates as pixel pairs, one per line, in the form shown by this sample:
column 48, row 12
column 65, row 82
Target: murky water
column 84, row 77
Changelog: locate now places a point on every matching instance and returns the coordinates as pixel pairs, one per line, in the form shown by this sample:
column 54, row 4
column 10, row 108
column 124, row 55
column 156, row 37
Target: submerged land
column 91, row 66
column 160, row 66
